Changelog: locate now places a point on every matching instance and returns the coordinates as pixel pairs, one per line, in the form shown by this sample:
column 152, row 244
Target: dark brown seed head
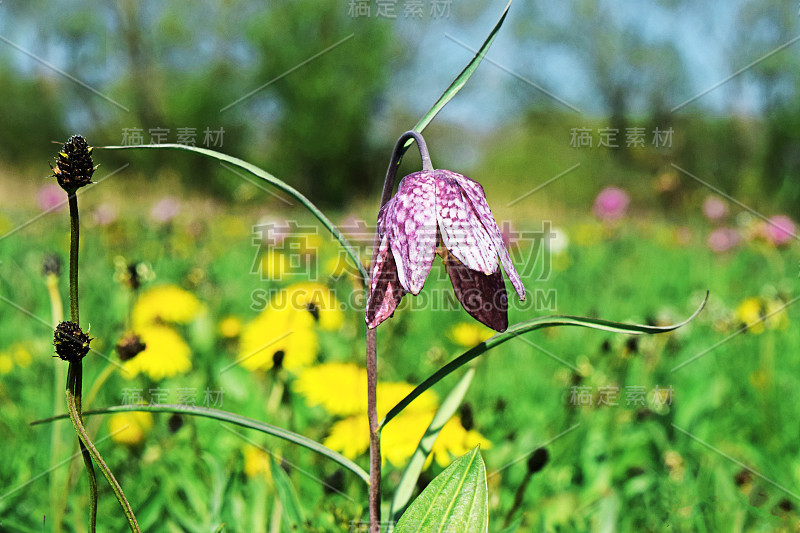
column 71, row 343
column 130, row 346
column 51, row 265
column 74, row 165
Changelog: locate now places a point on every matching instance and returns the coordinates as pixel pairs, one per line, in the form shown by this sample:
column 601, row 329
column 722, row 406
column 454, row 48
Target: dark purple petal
column 385, row 290
column 477, row 198
column 462, row 232
column 484, row 297
column 411, row 226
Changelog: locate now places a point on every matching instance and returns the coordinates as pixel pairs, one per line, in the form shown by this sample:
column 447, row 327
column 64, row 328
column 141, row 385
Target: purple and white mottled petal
column 484, row 297
column 411, row 227
column 462, row 232
column 385, row 291
column 477, row 199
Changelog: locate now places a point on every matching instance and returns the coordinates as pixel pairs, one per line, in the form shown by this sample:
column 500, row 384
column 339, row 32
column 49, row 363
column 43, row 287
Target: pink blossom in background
column 611, row 203
column 105, row 214
column 780, row 230
column 165, row 209
column 723, row 239
column 715, row 208
column 51, row 196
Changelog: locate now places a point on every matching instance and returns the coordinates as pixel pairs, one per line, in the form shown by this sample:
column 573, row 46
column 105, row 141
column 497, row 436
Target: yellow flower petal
column 468, row 334
column 21, row 355
column 130, row 428
column 167, row 303
column 165, row 355
column 283, row 333
column 6, row 364
column 349, row 396
column 230, row 327
column 256, row 462
column 350, row 436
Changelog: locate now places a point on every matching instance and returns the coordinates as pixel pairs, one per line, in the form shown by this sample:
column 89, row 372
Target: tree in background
column 176, row 67
column 321, row 130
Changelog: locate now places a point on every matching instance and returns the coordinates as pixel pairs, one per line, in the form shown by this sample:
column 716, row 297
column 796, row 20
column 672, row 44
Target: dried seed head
column 51, row 265
column 71, row 343
column 537, row 460
column 130, row 346
column 74, row 165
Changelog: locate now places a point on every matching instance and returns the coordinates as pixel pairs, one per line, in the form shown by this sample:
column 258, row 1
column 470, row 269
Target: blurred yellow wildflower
column 165, row 355
column 256, row 462
column 759, row 314
column 589, row 234
column 230, row 327
column 130, row 428
column 350, row 396
column 6, row 364
column 315, row 298
column 166, row 303
column 340, row 388
column 284, row 336
column 338, row 266
column 468, row 334
column 22, row 357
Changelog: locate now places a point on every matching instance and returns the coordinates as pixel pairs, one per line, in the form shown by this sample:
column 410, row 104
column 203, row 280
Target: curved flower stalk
column 446, row 213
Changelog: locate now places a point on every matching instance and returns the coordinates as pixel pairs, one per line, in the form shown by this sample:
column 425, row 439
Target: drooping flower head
column 440, row 211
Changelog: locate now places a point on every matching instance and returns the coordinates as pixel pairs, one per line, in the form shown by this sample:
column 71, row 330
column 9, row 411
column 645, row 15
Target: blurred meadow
column 636, row 155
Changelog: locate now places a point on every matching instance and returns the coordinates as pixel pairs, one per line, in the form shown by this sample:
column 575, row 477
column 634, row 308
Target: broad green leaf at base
column 456, row 500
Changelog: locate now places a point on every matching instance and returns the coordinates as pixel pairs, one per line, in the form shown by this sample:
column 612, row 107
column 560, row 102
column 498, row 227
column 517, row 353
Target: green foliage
column 456, row 499
column 324, row 135
column 404, row 489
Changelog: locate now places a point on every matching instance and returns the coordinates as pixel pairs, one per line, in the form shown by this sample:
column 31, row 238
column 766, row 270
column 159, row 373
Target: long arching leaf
column 525, row 327
column 233, row 418
column 269, row 178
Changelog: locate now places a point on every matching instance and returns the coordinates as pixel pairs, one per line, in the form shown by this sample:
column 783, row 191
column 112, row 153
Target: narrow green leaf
column 411, row 474
column 233, row 418
column 513, row 526
column 269, row 178
column 462, row 78
column 456, row 500
column 290, row 504
column 525, row 327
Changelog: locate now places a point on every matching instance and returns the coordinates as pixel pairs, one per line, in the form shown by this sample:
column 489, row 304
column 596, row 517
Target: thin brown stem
column 372, row 348
column 374, row 435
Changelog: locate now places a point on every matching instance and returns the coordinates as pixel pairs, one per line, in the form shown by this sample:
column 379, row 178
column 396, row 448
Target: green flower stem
column 75, row 371
column 75, row 388
column 74, row 385
column 74, row 245
column 86, row 444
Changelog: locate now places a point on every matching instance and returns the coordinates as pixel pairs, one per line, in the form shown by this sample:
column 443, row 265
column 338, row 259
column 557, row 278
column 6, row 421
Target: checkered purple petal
column 484, row 297
column 477, row 199
column 385, row 291
column 411, row 226
column 462, row 232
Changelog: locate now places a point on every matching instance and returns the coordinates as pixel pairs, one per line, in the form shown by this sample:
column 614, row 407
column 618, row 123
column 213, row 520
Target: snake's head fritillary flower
column 440, row 211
